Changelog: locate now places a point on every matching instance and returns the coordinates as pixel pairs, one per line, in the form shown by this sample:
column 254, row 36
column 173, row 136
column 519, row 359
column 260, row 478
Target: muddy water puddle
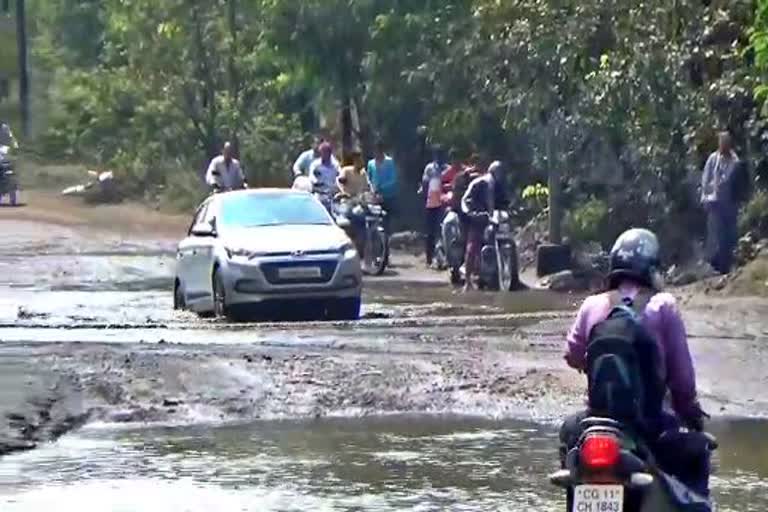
column 384, row 464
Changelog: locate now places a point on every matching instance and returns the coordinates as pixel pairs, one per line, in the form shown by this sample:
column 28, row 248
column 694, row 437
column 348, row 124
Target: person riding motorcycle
column 324, row 171
column 352, row 185
column 634, row 276
column 484, row 195
column 225, row 172
column 303, row 163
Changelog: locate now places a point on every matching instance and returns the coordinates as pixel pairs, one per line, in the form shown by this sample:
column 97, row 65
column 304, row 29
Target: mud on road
column 87, row 335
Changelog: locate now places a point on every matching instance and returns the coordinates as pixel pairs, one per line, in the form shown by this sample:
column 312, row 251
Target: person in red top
column 453, row 170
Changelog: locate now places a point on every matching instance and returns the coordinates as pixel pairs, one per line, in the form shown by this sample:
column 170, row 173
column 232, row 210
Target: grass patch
column 752, row 280
column 49, row 177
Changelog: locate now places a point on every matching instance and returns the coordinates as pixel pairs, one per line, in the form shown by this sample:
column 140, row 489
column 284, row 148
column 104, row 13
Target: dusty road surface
column 434, row 401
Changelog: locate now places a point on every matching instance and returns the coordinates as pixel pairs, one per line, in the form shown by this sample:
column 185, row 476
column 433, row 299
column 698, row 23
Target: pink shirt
column 664, row 322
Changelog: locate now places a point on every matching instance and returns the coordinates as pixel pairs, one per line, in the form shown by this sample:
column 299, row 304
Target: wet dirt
column 87, row 335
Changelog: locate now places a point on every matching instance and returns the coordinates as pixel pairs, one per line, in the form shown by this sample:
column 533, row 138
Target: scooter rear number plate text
column 598, row 498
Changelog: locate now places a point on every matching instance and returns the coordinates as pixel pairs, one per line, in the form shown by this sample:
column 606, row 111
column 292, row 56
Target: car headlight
column 348, row 250
column 239, row 253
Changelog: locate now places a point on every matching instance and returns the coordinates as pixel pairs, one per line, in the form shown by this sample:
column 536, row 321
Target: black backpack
column 623, row 365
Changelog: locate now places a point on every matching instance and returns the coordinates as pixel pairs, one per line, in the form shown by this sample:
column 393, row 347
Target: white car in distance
column 270, row 252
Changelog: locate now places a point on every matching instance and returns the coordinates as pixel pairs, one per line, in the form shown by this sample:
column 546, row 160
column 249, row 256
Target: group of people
column 473, row 190
column 317, row 167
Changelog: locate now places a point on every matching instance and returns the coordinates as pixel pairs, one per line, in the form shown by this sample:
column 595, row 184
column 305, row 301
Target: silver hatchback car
column 272, row 251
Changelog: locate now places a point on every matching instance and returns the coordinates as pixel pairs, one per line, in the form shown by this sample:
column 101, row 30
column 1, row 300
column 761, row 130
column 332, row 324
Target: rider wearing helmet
column 634, row 276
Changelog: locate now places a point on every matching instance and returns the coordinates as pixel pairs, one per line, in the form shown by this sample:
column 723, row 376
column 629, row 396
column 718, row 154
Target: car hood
column 285, row 238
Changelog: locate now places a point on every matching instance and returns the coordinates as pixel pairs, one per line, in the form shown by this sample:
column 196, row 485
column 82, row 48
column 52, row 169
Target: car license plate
column 598, row 498
column 299, row 273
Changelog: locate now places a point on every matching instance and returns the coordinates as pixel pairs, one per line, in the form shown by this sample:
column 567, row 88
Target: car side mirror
column 206, row 230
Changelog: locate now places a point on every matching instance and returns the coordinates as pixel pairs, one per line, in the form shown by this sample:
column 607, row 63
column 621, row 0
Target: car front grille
column 272, row 271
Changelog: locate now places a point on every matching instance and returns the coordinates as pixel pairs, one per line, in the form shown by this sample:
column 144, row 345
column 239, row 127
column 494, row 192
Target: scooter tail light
column 600, row 451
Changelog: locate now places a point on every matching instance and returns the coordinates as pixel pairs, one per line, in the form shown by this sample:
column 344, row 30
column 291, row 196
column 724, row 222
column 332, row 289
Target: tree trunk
column 234, row 80
column 211, row 138
column 346, row 124
column 21, row 41
column 365, row 135
column 555, row 215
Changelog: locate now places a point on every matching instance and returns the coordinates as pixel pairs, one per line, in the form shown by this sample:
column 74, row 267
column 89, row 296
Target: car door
column 205, row 251
column 187, row 259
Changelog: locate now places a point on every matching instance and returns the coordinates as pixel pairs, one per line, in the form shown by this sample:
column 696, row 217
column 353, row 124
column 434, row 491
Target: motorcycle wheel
column 504, row 267
column 376, row 253
column 441, row 258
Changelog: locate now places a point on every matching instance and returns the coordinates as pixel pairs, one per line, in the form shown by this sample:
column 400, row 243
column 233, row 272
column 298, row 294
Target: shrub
column 588, row 222
column 754, row 217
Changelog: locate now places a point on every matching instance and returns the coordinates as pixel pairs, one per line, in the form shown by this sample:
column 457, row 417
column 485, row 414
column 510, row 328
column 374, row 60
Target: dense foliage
column 623, row 98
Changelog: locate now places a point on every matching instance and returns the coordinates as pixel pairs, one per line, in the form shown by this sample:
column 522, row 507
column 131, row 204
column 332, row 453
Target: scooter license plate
column 598, row 498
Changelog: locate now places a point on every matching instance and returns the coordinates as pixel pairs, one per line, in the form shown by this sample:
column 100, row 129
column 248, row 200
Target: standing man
column 305, row 159
column 325, row 170
column 718, row 201
column 432, row 191
column 382, row 175
column 224, row 171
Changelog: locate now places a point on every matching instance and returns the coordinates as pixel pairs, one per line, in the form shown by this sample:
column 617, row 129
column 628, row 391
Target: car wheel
column 220, row 308
column 178, row 297
column 345, row 309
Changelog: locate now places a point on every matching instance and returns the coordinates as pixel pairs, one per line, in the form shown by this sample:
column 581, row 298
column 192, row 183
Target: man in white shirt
column 224, row 172
column 324, row 171
column 305, row 160
column 722, row 210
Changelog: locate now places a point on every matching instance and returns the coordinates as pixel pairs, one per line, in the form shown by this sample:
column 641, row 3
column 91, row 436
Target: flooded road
column 384, row 464
column 434, row 401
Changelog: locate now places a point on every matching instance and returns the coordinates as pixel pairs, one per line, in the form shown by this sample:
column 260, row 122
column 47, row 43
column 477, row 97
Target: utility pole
column 21, row 44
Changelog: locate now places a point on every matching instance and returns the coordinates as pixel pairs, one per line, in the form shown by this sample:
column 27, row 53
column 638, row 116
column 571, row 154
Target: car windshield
column 254, row 210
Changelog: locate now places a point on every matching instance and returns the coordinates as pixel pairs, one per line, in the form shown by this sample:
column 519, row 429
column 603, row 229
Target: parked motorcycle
column 376, row 251
column 611, row 470
column 9, row 185
column 451, row 246
column 498, row 256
